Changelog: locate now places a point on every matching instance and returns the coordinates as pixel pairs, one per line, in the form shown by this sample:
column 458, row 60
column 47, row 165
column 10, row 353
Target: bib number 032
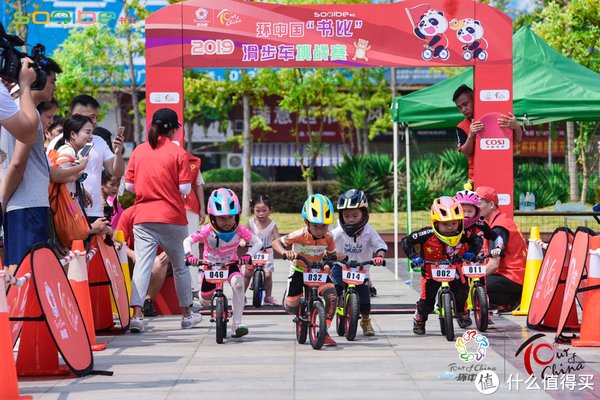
column 315, row 277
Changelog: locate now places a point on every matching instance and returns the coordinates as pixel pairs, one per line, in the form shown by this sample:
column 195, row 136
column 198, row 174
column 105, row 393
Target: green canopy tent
column 547, row 86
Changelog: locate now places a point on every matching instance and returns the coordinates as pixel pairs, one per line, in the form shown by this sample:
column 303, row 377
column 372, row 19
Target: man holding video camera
column 22, row 122
column 26, row 173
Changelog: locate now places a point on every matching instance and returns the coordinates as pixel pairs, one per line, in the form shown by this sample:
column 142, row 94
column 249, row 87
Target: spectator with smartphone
column 26, row 174
column 101, row 157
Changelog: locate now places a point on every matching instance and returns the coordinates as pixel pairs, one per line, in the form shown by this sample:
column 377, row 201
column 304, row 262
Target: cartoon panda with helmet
column 470, row 33
column 431, row 28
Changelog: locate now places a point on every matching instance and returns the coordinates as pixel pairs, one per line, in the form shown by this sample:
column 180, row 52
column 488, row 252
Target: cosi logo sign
column 494, row 144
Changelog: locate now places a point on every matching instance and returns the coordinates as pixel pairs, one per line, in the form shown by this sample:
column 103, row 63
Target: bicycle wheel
column 317, row 327
column 480, row 308
column 257, row 288
column 221, row 330
column 340, row 315
column 353, row 313
column 448, row 316
column 440, row 312
column 301, row 324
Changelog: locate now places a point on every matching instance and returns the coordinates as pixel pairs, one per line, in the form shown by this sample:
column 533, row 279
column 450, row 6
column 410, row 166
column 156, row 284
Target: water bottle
column 528, row 202
column 522, row 202
column 532, row 203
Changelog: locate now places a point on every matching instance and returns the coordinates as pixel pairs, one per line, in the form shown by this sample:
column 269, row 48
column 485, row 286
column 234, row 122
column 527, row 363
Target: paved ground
column 167, row 362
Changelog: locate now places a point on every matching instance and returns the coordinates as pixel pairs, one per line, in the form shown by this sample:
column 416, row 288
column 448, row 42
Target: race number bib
column 443, row 273
column 261, row 256
column 216, row 274
column 354, row 276
column 474, row 270
column 315, row 276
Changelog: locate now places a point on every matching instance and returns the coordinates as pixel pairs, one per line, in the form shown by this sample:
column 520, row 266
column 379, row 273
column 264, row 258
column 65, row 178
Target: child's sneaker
column 367, row 328
column 136, row 325
column 419, row 324
column 191, row 321
column 271, row 301
column 329, row 341
column 239, row 330
column 464, row 320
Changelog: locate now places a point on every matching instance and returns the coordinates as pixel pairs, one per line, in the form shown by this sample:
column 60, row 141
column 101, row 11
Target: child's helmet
column 353, row 199
column 318, row 209
column 222, row 202
column 446, row 209
column 469, row 197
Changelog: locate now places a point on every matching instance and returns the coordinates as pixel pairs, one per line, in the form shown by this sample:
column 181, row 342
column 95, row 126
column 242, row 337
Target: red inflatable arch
column 418, row 33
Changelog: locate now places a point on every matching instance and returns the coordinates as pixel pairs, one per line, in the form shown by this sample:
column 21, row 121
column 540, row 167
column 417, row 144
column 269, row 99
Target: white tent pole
column 395, row 169
column 408, row 182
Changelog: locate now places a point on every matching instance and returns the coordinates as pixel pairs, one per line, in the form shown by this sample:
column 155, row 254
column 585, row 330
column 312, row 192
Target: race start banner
column 236, row 34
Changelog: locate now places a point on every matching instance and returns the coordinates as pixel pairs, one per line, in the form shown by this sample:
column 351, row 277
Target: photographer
column 26, row 177
column 22, row 123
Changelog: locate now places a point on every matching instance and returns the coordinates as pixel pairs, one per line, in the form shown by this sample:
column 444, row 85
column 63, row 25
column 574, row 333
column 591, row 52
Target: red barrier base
column 38, row 355
column 166, row 302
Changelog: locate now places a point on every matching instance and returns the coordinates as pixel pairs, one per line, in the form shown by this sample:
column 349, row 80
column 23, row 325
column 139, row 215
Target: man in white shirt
column 101, row 157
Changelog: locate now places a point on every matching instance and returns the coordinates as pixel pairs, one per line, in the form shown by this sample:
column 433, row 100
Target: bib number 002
column 443, row 273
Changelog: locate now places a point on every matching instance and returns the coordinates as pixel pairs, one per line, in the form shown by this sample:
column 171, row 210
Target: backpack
column 70, row 222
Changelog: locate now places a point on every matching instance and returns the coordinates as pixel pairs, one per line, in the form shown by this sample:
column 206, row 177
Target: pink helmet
column 223, row 202
column 469, row 197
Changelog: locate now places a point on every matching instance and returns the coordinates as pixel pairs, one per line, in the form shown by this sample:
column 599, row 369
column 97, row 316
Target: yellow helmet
column 318, row 209
column 446, row 209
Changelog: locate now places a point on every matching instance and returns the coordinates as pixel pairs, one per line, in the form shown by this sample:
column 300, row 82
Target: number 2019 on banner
column 212, row 47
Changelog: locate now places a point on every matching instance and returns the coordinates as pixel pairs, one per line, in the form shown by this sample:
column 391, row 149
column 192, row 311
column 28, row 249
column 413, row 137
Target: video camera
column 10, row 59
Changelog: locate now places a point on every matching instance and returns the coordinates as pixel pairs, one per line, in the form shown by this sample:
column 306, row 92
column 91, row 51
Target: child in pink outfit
column 221, row 239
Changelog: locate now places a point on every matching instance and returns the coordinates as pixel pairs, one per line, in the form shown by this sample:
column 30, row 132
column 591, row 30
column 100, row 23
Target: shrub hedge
column 286, row 196
column 228, row 175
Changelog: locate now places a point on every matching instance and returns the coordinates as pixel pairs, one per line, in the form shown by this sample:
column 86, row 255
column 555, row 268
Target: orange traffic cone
column 9, row 389
column 37, row 355
column 535, row 256
column 78, row 278
column 590, row 334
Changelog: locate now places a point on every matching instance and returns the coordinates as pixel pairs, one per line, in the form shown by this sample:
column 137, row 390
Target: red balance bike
column 310, row 319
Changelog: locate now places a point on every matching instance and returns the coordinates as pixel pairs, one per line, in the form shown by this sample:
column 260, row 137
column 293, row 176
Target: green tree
column 92, row 60
column 131, row 31
column 362, row 103
column 573, row 29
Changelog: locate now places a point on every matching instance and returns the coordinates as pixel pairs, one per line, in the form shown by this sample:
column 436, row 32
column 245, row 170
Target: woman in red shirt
column 159, row 173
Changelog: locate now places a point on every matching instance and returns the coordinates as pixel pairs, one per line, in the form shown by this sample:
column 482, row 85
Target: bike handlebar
column 357, row 264
column 327, row 260
column 264, row 248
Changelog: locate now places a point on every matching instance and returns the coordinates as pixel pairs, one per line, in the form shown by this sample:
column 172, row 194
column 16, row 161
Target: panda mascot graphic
column 470, row 33
column 430, row 28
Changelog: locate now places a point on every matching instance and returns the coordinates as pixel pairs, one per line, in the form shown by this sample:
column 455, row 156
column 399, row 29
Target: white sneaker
column 136, row 325
column 191, row 321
